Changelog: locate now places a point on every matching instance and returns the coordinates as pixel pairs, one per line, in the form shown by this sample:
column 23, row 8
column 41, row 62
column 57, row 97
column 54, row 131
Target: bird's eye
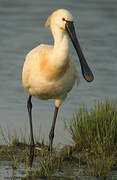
column 63, row 19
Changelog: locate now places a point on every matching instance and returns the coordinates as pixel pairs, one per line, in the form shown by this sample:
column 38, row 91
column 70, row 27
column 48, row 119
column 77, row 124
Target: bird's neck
column 61, row 48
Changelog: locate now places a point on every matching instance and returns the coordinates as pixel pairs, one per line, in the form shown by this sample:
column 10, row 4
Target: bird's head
column 59, row 18
column 63, row 20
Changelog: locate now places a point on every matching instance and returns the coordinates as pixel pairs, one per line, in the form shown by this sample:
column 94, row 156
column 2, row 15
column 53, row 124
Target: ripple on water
column 7, row 172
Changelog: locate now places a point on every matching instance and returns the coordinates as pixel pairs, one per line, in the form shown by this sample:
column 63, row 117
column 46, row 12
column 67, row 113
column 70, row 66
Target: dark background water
column 22, row 28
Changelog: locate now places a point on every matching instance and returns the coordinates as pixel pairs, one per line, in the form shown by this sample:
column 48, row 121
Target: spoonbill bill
column 49, row 71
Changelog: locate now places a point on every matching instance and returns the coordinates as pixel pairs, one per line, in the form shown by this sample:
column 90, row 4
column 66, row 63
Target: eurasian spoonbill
column 49, row 71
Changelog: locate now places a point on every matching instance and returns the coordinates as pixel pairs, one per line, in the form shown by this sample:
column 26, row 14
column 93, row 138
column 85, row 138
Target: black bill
column 88, row 75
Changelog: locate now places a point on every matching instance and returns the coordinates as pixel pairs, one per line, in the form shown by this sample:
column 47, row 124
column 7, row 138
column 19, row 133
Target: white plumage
column 49, row 82
column 48, row 71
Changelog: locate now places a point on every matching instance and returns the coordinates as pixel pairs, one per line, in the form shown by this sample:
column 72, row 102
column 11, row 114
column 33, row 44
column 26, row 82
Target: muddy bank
column 68, row 162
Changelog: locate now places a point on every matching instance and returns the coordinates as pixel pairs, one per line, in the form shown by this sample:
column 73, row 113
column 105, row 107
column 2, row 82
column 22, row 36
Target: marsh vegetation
column 93, row 152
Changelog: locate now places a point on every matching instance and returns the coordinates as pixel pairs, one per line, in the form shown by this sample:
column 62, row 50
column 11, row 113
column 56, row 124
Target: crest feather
column 48, row 21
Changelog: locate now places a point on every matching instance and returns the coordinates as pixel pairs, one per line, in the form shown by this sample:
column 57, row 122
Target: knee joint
column 51, row 135
column 29, row 105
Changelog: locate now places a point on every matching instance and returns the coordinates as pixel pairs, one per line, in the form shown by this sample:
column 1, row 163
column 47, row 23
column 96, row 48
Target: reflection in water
column 22, row 28
column 7, row 172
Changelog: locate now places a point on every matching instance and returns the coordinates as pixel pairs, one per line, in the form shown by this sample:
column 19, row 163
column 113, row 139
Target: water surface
column 22, row 28
column 8, row 173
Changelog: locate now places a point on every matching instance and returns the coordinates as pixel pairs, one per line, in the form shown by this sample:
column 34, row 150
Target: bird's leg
column 51, row 135
column 29, row 106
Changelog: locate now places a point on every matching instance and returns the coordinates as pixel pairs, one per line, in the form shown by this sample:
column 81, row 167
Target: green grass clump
column 95, row 133
column 97, row 129
column 99, row 166
column 47, row 166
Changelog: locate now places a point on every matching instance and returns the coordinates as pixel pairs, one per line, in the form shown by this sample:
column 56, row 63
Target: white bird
column 49, row 72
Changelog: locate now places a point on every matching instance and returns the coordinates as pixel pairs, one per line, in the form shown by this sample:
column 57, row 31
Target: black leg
column 51, row 135
column 29, row 106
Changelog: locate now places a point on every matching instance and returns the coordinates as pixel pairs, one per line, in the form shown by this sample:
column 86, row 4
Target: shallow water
column 8, row 173
column 22, row 28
